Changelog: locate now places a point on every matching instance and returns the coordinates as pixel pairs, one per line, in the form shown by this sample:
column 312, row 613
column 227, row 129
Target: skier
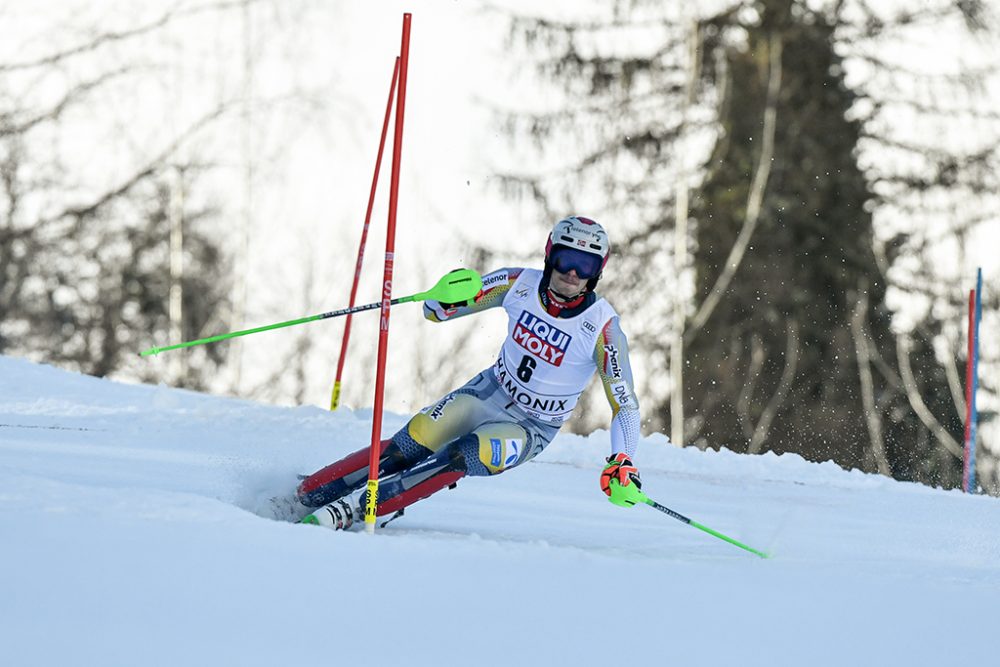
column 559, row 332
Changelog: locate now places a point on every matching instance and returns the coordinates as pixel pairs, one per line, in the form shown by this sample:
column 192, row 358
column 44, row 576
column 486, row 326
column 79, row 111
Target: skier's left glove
column 620, row 468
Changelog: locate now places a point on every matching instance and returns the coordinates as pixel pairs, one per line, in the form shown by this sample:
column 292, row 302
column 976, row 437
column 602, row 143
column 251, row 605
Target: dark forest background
column 749, row 199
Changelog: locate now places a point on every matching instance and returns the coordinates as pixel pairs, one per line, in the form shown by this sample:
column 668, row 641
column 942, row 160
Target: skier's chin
column 566, row 295
column 565, row 289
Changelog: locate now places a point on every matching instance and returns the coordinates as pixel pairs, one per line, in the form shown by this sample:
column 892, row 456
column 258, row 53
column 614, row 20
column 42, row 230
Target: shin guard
column 338, row 479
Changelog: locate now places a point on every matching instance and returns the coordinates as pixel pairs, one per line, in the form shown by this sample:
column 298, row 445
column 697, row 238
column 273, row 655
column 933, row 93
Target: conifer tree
column 788, row 341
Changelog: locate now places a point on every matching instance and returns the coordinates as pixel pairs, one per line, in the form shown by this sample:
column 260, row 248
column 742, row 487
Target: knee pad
column 500, row 446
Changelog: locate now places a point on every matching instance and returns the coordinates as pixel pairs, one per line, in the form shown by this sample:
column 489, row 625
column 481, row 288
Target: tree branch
column 755, row 199
column 917, row 402
column 757, row 358
column 861, row 347
column 784, row 385
column 67, row 100
column 151, row 167
column 111, row 37
column 954, row 383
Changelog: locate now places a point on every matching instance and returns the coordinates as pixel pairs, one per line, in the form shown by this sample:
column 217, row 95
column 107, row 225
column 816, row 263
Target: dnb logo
column 513, row 451
column 541, row 338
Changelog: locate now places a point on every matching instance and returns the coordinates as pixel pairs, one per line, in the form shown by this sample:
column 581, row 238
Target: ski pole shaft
column 268, row 327
column 459, row 285
column 680, row 517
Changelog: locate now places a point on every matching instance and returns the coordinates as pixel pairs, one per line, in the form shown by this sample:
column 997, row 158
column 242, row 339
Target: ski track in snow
column 136, row 530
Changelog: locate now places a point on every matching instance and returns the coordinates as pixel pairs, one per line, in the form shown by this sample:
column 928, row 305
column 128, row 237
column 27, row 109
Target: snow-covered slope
column 132, row 527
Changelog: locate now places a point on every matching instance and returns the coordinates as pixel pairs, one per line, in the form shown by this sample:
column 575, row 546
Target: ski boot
column 341, row 514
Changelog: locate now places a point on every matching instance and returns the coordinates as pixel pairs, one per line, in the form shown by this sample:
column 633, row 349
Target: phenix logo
column 611, row 365
column 541, row 338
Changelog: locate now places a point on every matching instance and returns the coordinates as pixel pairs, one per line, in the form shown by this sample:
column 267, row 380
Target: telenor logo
column 541, row 338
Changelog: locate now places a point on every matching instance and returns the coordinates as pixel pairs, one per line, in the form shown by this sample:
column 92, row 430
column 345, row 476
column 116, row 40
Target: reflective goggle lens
column 587, row 265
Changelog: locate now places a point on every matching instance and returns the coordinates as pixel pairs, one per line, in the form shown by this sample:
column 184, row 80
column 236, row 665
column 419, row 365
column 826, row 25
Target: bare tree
column 94, row 130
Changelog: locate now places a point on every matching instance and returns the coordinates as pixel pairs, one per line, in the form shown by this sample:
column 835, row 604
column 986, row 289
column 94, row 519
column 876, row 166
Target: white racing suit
column 508, row 413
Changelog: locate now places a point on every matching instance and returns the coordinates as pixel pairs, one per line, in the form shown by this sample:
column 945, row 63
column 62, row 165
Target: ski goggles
column 586, row 264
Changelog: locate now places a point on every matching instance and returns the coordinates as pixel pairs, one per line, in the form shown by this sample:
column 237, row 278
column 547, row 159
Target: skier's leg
column 435, row 472
column 340, row 478
column 468, row 432
column 488, row 450
column 426, row 433
column 436, row 426
column 496, row 447
column 441, row 469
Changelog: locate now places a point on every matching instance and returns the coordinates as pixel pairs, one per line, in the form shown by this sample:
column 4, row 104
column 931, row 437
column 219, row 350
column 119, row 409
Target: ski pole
column 680, row 517
column 630, row 495
column 459, row 285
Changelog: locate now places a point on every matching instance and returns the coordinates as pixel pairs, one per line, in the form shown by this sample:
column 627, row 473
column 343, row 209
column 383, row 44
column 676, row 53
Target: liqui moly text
column 541, row 338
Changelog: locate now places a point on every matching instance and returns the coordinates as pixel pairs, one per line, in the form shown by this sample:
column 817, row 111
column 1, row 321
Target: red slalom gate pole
column 390, row 243
column 335, row 396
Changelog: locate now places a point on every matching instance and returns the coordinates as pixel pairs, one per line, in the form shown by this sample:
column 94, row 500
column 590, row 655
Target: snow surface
column 131, row 536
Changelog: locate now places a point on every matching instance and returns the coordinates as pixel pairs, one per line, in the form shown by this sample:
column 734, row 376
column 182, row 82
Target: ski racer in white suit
column 559, row 333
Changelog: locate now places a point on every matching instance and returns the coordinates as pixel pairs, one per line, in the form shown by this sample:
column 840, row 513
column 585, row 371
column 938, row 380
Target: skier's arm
column 495, row 286
column 611, row 357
